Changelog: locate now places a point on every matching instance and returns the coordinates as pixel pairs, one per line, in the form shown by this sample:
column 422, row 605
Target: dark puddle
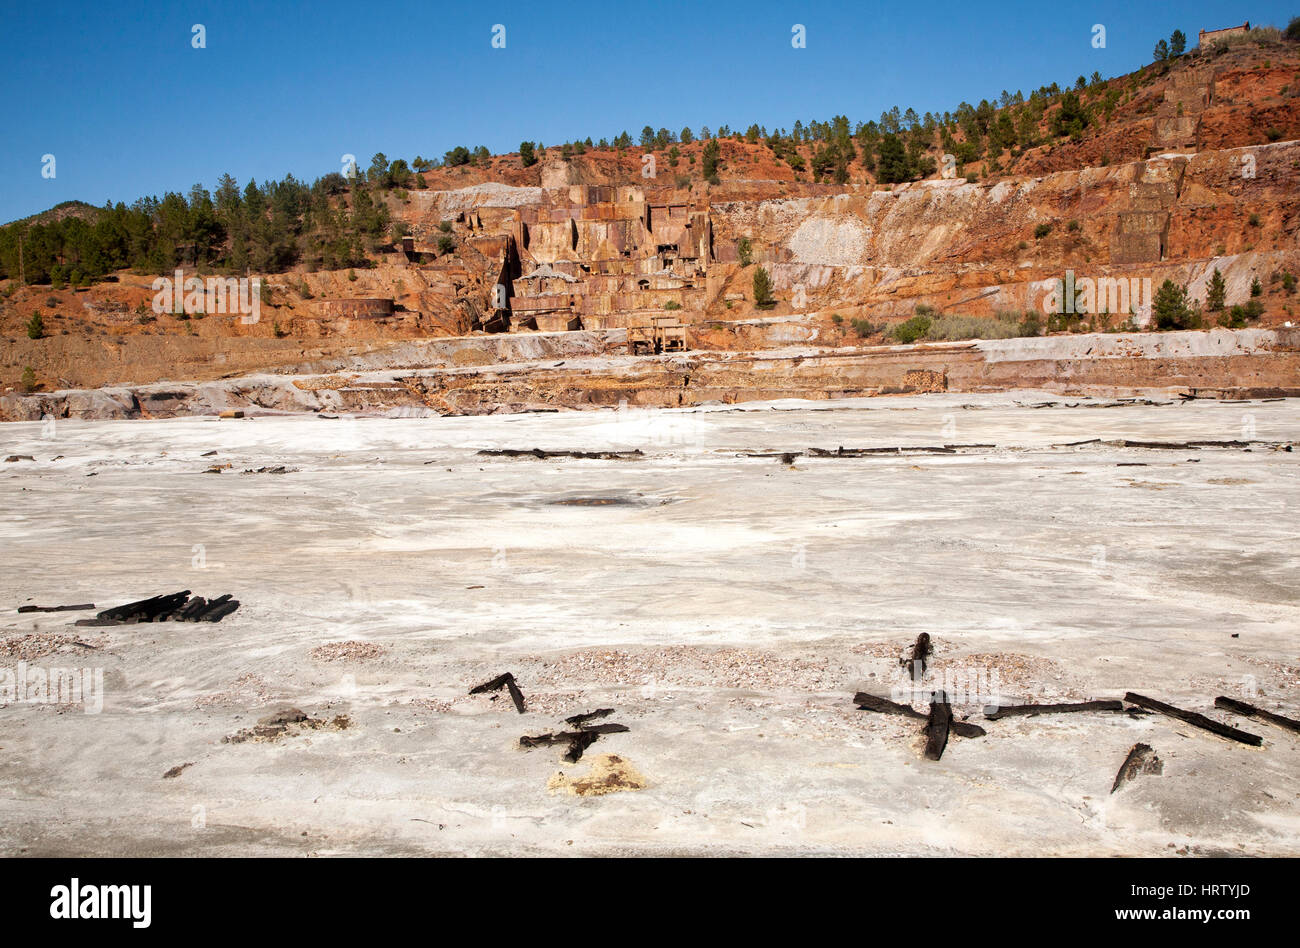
column 602, row 502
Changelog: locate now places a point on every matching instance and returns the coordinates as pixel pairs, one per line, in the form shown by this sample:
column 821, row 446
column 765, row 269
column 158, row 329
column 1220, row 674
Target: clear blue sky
column 128, row 107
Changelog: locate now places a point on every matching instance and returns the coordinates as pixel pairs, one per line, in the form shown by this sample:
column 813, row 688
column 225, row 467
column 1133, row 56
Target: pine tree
column 892, row 168
column 711, row 153
column 763, row 298
column 1214, row 295
column 1170, row 307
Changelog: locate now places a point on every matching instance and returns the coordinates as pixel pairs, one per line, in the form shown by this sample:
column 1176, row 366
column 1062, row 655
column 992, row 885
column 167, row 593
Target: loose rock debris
column 37, row 645
column 1141, row 759
column 350, row 651
column 496, row 684
column 286, row 722
column 176, row 607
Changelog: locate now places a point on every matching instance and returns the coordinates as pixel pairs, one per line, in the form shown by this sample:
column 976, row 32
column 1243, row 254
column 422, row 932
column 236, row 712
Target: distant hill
column 87, row 212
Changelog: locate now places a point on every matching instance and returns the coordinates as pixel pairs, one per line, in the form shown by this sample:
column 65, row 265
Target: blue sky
column 128, row 107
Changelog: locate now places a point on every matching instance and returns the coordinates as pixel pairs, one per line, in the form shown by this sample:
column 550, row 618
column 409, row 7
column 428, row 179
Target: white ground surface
column 728, row 607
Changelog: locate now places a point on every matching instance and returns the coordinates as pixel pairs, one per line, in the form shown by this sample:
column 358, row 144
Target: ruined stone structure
column 1142, row 230
column 606, row 256
column 1186, row 98
column 1210, row 36
column 580, row 256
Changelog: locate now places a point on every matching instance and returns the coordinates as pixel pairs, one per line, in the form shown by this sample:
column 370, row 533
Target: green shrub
column 1238, row 316
column 672, row 304
column 1234, row 318
column 1042, row 230
column 1063, row 322
column 955, row 328
column 863, row 327
column 446, row 244
column 1256, row 288
column 910, row 330
column 745, row 251
column 35, row 327
column 28, row 383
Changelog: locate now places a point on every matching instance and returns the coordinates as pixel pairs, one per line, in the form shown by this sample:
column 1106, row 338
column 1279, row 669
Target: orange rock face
column 1196, row 168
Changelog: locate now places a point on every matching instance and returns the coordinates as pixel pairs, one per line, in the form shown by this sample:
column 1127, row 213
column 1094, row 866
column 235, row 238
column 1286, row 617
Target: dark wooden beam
column 1250, row 711
column 1194, row 719
column 1017, row 710
column 936, row 731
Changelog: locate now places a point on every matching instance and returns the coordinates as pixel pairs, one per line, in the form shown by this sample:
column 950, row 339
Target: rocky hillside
column 1175, row 171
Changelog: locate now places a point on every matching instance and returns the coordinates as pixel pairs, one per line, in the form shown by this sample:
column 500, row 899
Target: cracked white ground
column 727, row 607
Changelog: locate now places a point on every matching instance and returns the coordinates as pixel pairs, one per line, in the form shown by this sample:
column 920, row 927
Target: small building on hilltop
column 1211, row 36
